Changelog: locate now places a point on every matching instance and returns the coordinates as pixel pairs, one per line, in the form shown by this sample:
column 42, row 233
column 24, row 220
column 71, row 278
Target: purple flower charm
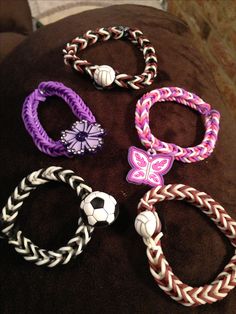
column 83, row 136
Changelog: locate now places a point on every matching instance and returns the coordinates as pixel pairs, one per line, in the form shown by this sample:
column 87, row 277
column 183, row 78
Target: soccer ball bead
column 104, row 75
column 147, row 223
column 99, row 209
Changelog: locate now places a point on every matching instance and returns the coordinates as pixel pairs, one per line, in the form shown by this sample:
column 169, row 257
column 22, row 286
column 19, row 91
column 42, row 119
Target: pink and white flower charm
column 147, row 167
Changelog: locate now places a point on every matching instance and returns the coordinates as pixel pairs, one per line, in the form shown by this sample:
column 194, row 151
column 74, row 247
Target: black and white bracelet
column 97, row 209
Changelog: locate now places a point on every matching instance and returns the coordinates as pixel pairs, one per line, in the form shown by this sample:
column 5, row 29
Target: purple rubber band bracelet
column 84, row 136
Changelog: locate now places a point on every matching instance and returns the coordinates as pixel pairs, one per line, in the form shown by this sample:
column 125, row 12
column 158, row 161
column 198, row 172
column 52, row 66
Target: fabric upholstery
column 8, row 41
column 112, row 275
column 15, row 24
column 15, row 16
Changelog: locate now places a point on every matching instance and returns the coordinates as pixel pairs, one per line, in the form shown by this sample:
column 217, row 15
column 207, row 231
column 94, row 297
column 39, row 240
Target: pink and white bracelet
column 148, row 168
column 148, row 225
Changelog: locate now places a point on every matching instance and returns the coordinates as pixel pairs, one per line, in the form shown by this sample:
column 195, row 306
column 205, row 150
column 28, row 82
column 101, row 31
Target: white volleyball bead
column 146, row 223
column 104, row 75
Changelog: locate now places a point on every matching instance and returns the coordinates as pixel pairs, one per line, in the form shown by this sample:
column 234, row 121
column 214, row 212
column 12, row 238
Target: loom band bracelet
column 148, row 225
column 188, row 154
column 105, row 76
column 84, row 136
column 149, row 167
column 96, row 209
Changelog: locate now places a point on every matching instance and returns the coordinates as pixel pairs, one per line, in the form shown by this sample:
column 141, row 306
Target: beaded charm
column 147, row 168
column 104, row 76
column 146, row 223
column 99, row 209
column 82, row 137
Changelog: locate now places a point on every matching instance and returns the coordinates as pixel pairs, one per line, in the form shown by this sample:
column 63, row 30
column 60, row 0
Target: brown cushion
column 15, row 16
column 8, row 41
column 112, row 275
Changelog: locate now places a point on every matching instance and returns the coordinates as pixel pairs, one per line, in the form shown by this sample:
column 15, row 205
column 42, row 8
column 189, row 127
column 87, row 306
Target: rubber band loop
column 105, row 76
column 189, row 154
column 148, row 225
column 71, row 142
column 25, row 246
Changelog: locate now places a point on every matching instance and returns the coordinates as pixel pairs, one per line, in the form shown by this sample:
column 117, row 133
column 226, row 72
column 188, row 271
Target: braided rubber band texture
column 31, row 121
column 116, row 32
column 25, row 246
column 189, row 154
column 159, row 266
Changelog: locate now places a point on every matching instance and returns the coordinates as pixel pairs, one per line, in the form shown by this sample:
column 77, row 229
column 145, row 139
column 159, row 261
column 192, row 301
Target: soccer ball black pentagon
column 99, row 209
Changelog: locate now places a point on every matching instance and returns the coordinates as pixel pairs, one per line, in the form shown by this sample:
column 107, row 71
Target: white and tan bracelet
column 97, row 209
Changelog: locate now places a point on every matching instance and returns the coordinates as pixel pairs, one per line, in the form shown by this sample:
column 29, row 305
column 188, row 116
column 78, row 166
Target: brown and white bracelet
column 105, row 76
column 148, row 225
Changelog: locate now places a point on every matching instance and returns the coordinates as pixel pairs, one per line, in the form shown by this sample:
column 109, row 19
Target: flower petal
column 79, row 126
column 75, row 146
column 69, row 136
column 93, row 142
